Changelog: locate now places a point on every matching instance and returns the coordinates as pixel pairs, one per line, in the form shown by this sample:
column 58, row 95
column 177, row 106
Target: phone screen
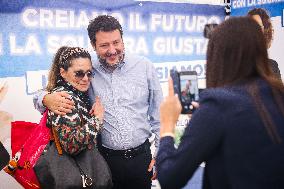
column 188, row 90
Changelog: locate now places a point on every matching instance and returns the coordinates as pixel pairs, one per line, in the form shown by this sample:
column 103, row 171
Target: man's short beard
column 120, row 59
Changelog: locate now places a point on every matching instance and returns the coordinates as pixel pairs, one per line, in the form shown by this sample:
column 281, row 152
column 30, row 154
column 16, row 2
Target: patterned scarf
column 82, row 95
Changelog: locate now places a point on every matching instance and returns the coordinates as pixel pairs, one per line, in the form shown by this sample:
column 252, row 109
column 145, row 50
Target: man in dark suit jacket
column 274, row 67
column 5, row 120
column 4, row 156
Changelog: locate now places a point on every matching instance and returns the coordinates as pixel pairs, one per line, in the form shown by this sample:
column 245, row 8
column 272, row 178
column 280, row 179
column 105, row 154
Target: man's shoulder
column 136, row 59
column 273, row 64
column 129, row 56
column 137, row 63
column 95, row 63
column 275, row 68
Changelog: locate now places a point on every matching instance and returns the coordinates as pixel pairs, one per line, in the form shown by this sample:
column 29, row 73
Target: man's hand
column 98, row 109
column 58, row 102
column 151, row 165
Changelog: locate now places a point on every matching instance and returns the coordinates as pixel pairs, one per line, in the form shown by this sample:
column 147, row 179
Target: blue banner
column 241, row 7
column 164, row 32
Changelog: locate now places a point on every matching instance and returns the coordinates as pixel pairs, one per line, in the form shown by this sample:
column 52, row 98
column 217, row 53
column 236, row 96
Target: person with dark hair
column 5, row 129
column 131, row 94
column 5, row 157
column 238, row 128
column 77, row 131
column 262, row 17
column 72, row 72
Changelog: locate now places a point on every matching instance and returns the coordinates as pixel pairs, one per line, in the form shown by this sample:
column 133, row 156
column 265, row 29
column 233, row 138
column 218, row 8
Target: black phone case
column 175, row 75
column 176, row 81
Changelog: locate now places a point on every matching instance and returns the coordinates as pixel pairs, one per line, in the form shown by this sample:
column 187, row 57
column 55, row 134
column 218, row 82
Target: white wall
column 276, row 49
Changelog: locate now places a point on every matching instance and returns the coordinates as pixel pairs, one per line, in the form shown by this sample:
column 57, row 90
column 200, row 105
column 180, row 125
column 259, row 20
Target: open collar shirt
column 131, row 95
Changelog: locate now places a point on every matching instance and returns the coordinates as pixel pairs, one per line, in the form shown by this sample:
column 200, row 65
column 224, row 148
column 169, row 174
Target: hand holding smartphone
column 186, row 86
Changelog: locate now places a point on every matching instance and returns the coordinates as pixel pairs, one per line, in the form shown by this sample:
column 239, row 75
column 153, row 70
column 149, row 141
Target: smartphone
column 186, row 86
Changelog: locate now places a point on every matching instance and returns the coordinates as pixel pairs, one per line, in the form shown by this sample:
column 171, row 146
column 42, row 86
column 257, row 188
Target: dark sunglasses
column 80, row 74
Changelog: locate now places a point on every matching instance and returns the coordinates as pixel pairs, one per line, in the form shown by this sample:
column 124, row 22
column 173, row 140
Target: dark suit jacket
column 274, row 67
column 228, row 134
column 4, row 157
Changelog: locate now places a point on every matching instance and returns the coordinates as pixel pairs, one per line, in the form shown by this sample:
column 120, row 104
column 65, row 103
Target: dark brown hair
column 62, row 59
column 237, row 54
column 54, row 72
column 265, row 18
column 105, row 23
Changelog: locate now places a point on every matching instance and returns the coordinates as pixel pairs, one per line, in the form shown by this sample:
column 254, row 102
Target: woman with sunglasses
column 71, row 71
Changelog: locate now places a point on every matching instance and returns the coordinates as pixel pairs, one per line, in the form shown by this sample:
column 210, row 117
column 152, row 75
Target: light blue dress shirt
column 131, row 95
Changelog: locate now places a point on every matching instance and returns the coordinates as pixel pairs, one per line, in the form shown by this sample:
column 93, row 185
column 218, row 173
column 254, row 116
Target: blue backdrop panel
column 31, row 31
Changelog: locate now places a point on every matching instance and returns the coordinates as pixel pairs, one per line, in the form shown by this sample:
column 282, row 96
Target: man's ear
column 93, row 45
